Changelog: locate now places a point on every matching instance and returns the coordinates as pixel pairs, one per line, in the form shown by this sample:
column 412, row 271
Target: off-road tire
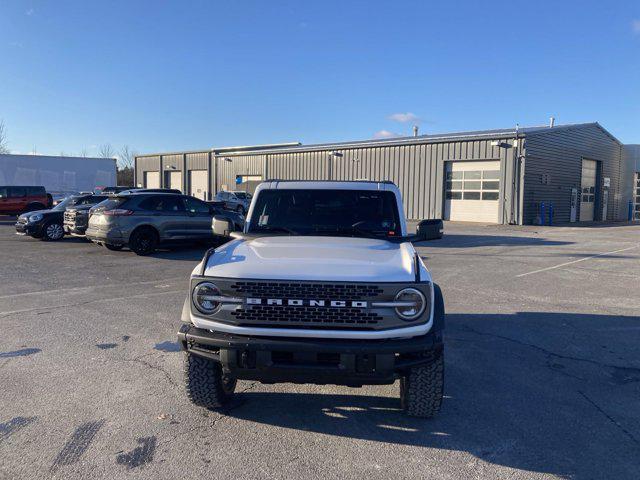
column 143, row 241
column 113, row 248
column 206, row 385
column 422, row 387
column 52, row 232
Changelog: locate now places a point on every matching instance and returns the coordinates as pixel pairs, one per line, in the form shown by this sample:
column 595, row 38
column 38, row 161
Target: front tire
column 52, row 232
column 422, row 388
column 205, row 383
column 143, row 241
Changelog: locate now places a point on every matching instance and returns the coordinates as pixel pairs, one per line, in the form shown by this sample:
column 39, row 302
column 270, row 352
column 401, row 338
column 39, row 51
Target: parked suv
column 76, row 217
column 236, row 201
column 48, row 224
column 143, row 221
column 15, row 200
column 323, row 286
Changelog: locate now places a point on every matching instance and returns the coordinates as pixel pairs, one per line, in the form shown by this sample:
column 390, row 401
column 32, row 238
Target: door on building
column 588, row 195
column 151, row 179
column 472, row 191
column 173, row 179
column 636, row 206
column 198, row 180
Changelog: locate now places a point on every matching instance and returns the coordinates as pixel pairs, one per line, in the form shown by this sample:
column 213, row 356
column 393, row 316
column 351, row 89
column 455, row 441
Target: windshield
column 240, row 195
column 360, row 213
column 108, row 204
column 67, row 202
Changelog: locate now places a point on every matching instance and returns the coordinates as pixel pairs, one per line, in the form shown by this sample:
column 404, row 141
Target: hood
column 43, row 212
column 80, row 208
column 314, row 258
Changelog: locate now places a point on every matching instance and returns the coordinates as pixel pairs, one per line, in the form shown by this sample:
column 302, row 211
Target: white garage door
column 151, row 179
column 472, row 190
column 198, row 180
column 588, row 197
column 173, row 180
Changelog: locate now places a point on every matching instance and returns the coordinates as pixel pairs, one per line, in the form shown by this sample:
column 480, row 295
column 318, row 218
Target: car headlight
column 35, row 218
column 204, row 297
column 411, row 303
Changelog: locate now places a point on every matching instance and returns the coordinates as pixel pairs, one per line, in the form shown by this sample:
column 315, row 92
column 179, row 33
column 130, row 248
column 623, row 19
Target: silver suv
column 143, row 221
column 236, row 201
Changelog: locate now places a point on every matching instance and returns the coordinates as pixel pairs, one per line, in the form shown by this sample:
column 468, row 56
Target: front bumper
column 32, row 229
column 303, row 360
column 72, row 229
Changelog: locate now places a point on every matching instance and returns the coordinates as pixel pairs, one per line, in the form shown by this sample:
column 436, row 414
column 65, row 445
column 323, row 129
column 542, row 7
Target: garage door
column 173, row 180
column 198, row 180
column 472, row 191
column 588, row 196
column 152, row 179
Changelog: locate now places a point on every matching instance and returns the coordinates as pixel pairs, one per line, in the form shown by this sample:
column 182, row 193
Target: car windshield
column 67, row 202
column 240, row 195
column 359, row 213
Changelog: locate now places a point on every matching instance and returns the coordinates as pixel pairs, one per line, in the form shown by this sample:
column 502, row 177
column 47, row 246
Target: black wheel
column 114, row 248
column 52, row 231
column 206, row 385
column 143, row 241
column 422, row 387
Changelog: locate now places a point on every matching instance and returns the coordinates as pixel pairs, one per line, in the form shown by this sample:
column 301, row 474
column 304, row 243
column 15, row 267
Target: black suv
column 48, row 224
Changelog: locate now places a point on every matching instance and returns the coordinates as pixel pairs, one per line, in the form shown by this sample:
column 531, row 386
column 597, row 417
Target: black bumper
column 33, row 229
column 320, row 361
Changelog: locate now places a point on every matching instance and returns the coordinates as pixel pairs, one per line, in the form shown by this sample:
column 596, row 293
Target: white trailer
column 59, row 175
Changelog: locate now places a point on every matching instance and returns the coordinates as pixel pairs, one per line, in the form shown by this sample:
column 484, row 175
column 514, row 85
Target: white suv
column 322, row 286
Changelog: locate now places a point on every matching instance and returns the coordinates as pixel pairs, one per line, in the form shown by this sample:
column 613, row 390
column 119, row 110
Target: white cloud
column 385, row 134
column 404, row 117
column 635, row 25
column 29, row 12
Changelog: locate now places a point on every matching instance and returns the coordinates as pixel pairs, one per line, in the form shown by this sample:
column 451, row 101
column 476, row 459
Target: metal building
column 510, row 176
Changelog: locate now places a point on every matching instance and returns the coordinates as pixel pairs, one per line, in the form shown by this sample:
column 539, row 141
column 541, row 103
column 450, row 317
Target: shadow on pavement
column 522, row 391
column 455, row 240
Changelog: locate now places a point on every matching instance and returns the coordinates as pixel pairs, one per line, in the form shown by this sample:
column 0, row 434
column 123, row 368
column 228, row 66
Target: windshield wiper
column 275, row 228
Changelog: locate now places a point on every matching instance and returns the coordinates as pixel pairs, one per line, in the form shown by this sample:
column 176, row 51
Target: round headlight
column 412, row 303
column 202, row 297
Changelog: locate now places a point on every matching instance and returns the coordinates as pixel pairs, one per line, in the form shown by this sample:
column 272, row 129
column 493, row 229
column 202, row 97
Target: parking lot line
column 576, row 261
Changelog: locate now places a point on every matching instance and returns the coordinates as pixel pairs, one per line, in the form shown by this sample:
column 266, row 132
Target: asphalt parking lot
column 542, row 370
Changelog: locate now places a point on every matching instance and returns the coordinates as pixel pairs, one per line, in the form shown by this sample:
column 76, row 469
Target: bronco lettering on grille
column 292, row 302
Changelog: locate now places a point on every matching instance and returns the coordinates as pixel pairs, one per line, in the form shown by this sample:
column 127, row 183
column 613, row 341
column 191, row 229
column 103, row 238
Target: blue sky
column 165, row 76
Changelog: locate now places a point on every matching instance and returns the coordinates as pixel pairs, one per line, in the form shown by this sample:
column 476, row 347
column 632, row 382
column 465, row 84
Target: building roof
column 435, row 138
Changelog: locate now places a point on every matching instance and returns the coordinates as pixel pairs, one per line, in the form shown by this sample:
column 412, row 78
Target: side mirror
column 221, row 226
column 429, row 230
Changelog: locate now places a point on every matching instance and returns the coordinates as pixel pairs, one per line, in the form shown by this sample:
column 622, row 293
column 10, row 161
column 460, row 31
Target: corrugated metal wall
column 146, row 164
column 417, row 169
column 559, row 154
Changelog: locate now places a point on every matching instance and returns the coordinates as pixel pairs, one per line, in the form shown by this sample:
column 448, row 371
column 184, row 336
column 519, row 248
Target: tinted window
column 18, row 191
column 91, row 200
column 329, row 212
column 162, row 204
column 3, row 192
column 240, row 195
column 111, row 203
column 195, row 206
column 35, row 191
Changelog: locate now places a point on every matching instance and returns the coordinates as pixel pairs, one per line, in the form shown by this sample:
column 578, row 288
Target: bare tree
column 83, row 153
column 3, row 138
column 126, row 161
column 106, row 151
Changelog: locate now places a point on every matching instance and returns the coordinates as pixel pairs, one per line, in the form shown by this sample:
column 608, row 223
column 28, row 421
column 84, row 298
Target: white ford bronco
column 322, row 286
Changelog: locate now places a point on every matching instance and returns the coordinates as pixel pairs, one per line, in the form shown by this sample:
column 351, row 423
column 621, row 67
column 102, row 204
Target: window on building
column 473, row 185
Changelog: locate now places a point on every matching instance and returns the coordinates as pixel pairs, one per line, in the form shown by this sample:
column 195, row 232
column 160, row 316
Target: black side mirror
column 429, row 230
column 222, row 226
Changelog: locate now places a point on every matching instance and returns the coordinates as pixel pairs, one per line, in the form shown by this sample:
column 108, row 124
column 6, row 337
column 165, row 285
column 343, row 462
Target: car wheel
column 52, row 231
column 422, row 388
column 143, row 241
column 114, row 248
column 207, row 386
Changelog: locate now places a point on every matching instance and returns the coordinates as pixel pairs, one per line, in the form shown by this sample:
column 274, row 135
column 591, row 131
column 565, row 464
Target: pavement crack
column 610, row 418
column 554, row 354
column 153, row 367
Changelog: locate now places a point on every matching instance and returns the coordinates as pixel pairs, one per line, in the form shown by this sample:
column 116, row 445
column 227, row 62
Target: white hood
column 315, row 258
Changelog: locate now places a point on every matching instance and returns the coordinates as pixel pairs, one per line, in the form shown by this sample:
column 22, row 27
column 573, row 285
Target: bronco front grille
column 343, row 291
column 306, row 316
